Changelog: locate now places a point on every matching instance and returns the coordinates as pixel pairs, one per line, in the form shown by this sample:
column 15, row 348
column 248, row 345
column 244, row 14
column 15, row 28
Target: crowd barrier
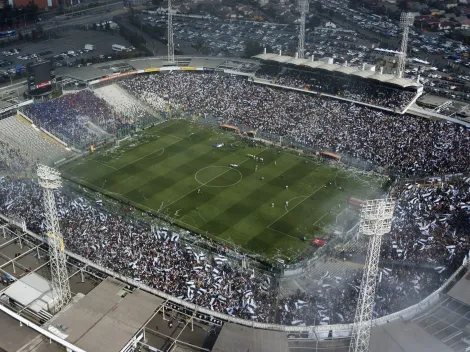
column 318, row 332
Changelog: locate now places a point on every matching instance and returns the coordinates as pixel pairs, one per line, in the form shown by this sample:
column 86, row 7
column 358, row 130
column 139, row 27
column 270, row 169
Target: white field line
column 320, row 218
column 159, row 130
column 290, row 200
column 269, row 226
column 93, row 186
column 212, row 179
column 104, row 164
column 282, row 233
column 136, row 160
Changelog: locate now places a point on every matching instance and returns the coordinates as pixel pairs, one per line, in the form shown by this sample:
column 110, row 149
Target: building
column 42, row 4
column 330, row 25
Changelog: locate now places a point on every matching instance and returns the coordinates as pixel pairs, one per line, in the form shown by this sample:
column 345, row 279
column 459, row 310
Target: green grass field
column 163, row 168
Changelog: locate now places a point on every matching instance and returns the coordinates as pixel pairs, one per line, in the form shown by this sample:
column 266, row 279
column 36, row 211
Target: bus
column 117, row 47
column 6, row 34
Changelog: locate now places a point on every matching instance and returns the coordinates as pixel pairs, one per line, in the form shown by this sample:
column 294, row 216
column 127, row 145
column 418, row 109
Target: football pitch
column 181, row 169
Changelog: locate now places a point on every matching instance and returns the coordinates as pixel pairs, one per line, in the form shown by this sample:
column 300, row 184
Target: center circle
column 207, row 175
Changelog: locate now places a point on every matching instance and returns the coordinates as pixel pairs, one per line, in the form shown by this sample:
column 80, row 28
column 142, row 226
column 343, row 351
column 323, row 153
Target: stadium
column 214, row 204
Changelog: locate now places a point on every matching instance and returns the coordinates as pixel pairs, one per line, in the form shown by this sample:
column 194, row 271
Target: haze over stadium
column 183, row 204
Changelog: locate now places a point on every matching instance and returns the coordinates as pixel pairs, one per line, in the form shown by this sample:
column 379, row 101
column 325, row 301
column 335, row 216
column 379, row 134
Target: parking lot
column 215, row 37
column 70, row 41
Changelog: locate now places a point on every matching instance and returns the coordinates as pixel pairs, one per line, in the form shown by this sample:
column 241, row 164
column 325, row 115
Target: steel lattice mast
column 49, row 180
column 171, row 44
column 376, row 220
column 303, row 6
column 406, row 20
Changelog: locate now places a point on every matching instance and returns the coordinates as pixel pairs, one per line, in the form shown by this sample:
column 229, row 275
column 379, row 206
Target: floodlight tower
column 49, row 180
column 171, row 44
column 303, row 6
column 376, row 220
column 406, row 21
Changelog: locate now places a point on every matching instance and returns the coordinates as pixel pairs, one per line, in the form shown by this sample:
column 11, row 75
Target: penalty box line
column 295, row 206
column 179, row 139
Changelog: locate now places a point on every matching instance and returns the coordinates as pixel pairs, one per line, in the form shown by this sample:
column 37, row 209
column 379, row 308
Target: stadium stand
column 30, row 143
column 430, row 227
column 163, row 261
column 122, row 102
column 350, row 87
column 79, row 119
column 396, row 143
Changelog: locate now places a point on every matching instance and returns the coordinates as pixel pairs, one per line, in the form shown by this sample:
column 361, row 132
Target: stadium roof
column 267, row 56
column 383, row 78
column 207, row 62
column 350, row 70
column 85, row 73
column 142, row 64
column 106, row 318
column 364, row 74
column 32, row 291
column 347, row 70
column 237, row 338
column 403, row 336
column 461, row 290
column 297, row 61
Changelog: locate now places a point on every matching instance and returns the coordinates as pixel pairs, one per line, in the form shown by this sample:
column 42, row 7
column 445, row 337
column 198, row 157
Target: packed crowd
column 157, row 258
column 14, row 161
column 431, row 223
column 126, row 106
column 162, row 259
column 339, row 84
column 431, row 227
column 408, row 145
column 335, row 298
column 78, row 118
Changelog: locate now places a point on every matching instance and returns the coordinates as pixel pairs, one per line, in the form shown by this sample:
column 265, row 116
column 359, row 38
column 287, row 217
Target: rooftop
column 404, row 336
column 236, row 338
column 106, row 318
column 348, row 70
column 461, row 290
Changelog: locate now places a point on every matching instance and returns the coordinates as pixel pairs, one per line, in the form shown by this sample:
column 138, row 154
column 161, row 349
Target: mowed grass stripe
column 308, row 213
column 101, row 176
column 224, row 197
column 86, row 170
column 142, row 165
column 251, row 202
column 256, row 221
column 98, row 174
column 242, row 211
column 142, row 149
column 176, row 177
column 170, row 165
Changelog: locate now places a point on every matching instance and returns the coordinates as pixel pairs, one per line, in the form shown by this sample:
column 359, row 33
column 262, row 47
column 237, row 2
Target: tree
column 252, row 48
column 403, row 5
column 31, row 12
column 315, row 21
column 40, row 30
